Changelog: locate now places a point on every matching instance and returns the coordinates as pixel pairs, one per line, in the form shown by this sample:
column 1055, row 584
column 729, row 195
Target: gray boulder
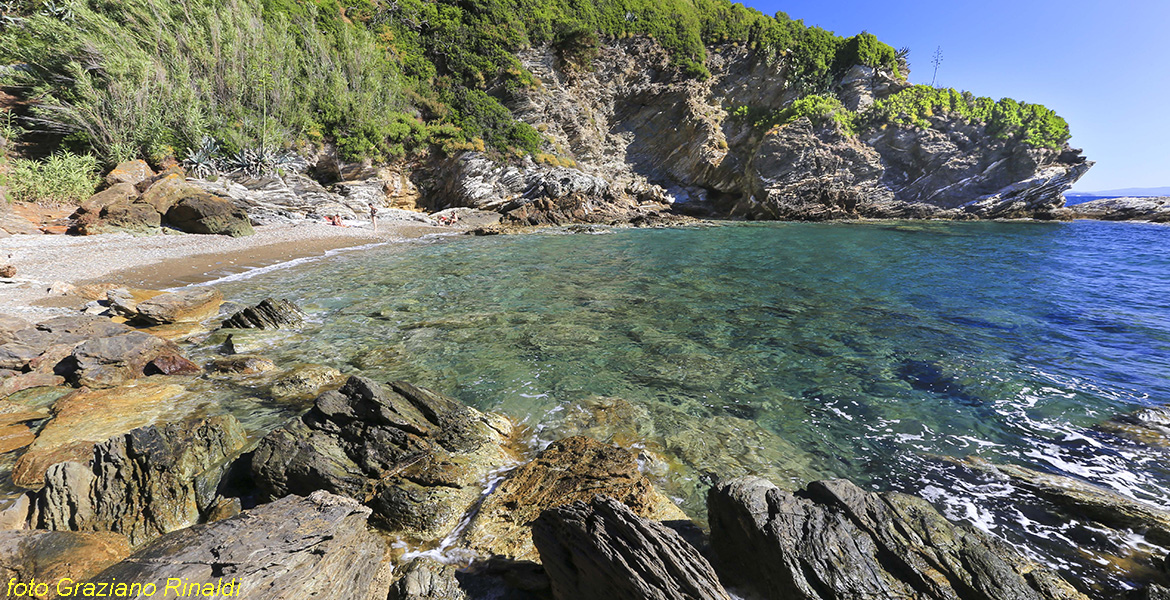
column 148, row 482
column 200, row 212
column 415, row 457
column 109, row 361
column 427, row 579
column 835, row 541
column 603, row 550
column 294, row 548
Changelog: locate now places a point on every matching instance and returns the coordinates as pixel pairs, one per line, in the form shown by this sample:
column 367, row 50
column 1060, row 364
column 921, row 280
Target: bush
column 818, row 109
column 62, row 178
column 1007, row 119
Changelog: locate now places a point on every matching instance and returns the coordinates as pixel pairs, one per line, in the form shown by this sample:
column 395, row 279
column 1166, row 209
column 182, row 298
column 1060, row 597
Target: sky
column 1103, row 65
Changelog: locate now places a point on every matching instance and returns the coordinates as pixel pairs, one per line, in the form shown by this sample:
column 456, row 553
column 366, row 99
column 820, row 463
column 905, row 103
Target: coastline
column 169, row 261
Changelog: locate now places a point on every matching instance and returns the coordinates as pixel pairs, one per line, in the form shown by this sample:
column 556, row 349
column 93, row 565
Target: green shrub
column 62, row 178
column 1006, row 119
column 818, row 109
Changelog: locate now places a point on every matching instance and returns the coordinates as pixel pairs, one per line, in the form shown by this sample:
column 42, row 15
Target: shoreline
column 171, row 261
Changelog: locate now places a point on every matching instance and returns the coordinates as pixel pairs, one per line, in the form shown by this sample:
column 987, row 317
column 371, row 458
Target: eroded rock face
column 296, row 547
column 416, row 458
column 569, row 470
column 268, row 314
column 836, row 541
column 1155, row 210
column 601, row 549
column 148, row 482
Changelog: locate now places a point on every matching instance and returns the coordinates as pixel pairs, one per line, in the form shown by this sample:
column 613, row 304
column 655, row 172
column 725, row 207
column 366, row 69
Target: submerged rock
column 601, row 549
column 304, row 381
column 836, row 541
column 268, row 314
column 569, row 470
column 148, row 482
column 242, row 364
column 295, row 547
column 417, row 458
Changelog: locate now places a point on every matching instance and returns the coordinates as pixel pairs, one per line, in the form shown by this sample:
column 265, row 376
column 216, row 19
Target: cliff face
column 631, row 137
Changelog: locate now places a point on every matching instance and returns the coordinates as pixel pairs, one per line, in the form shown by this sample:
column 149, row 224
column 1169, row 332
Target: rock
column 145, row 483
column 1149, row 426
column 95, row 291
column 417, row 458
column 132, row 172
column 269, row 314
column 124, row 301
column 50, row 556
column 1101, row 505
column 571, row 469
column 242, row 364
column 7, row 271
column 15, row 437
column 1150, row 592
column 135, row 217
column 115, row 194
column 171, row 364
column 1156, row 210
column 314, row 547
column 9, row 326
column 60, row 288
column 25, row 381
column 86, row 417
column 427, row 579
column 204, row 213
column 601, row 549
column 166, row 191
column 110, row 361
column 26, row 345
column 189, row 305
column 835, row 540
column 304, row 381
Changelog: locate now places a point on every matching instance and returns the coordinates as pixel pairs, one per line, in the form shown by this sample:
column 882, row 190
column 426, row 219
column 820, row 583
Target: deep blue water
column 874, row 351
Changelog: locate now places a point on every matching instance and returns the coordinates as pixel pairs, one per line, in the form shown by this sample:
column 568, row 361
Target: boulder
column 417, row 458
column 172, row 364
column 124, row 301
column 26, row 345
column 84, row 418
column 9, row 325
column 835, row 541
column 14, row 431
column 110, row 361
column 569, row 470
column 316, row 547
column 201, row 212
column 115, row 194
column 189, row 305
column 166, row 191
column 49, row 556
column 131, row 172
column 601, row 549
column 135, row 217
column 145, row 483
column 269, row 314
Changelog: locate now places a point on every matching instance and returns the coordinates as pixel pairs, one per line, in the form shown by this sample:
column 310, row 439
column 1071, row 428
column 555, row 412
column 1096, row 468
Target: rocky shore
column 387, row 490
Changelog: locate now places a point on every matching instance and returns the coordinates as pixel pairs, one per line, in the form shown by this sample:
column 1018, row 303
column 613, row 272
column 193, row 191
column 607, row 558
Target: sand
column 166, row 261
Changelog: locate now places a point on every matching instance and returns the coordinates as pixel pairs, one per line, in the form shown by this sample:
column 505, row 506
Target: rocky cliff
column 631, row 136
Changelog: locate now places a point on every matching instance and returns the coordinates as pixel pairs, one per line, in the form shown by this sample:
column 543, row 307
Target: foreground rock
column 14, row 430
column 84, row 418
column 836, row 541
column 27, row 344
column 48, row 556
column 1155, row 210
column 573, row 469
column 603, row 550
column 269, row 314
column 427, row 579
column 143, row 484
column 110, row 361
column 416, row 458
column 314, row 547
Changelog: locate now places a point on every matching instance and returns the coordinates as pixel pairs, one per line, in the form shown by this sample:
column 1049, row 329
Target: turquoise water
column 870, row 351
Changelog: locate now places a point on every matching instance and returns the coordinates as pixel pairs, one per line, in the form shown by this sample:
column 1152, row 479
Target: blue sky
column 1102, row 65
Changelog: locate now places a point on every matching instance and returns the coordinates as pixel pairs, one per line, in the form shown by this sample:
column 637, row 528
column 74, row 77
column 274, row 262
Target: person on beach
column 374, row 216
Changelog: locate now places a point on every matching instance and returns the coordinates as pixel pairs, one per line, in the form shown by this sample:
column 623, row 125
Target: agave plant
column 203, row 160
column 260, row 162
column 61, row 10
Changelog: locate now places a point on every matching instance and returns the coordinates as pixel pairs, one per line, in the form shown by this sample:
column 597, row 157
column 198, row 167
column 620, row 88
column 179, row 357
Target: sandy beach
column 164, row 261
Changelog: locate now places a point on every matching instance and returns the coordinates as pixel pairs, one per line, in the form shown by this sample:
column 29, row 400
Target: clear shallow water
column 864, row 351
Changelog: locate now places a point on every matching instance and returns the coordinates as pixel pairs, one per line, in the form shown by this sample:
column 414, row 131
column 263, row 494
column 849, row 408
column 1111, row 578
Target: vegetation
column 818, row 109
column 62, row 178
column 1031, row 124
